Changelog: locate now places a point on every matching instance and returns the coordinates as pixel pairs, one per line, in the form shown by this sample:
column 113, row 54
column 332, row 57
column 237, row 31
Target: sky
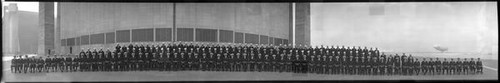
column 407, row 27
column 24, row 6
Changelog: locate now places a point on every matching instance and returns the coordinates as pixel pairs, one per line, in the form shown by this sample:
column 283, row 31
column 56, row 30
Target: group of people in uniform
column 247, row 58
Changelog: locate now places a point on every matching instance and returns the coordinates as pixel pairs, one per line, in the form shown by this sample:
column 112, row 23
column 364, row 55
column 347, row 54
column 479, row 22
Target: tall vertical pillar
column 302, row 24
column 291, row 24
column 46, row 23
column 10, row 43
column 57, row 40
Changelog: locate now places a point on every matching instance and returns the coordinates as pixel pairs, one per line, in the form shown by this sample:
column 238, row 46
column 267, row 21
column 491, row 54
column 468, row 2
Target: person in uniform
column 39, row 64
column 288, row 61
column 109, row 60
column 80, row 60
column 343, row 61
column 14, row 64
column 122, row 58
column 68, row 64
column 425, row 67
column 282, row 58
column 304, row 52
column 170, row 58
column 55, row 63
column 223, row 58
column 479, row 66
column 459, row 66
column 115, row 59
column 28, row 64
column 470, row 66
column 438, row 66
column 381, row 65
column 272, row 59
column 93, row 60
column 404, row 65
column 100, row 60
column 454, row 67
column 19, row 64
column 203, row 60
column 397, row 62
column 445, row 67
column 351, row 62
column 146, row 58
column 25, row 63
column 375, row 65
column 328, row 62
column 161, row 57
column 357, row 65
column 118, row 48
column 463, row 66
column 391, row 65
column 431, row 66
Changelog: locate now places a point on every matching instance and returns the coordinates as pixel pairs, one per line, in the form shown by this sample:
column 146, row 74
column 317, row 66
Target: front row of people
column 244, row 61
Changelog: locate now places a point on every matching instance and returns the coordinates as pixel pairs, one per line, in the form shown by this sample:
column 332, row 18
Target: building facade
column 82, row 26
column 103, row 25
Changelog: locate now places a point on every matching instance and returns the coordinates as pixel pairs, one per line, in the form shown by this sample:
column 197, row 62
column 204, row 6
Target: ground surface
column 490, row 73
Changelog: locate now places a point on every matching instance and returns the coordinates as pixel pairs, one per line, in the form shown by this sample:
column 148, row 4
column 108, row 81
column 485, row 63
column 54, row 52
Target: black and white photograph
column 248, row 41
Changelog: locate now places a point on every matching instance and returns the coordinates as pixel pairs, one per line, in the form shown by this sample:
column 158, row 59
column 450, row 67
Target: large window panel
column 123, row 36
column 238, row 37
column 251, row 38
column 77, row 41
column 264, row 39
column 142, row 35
column 97, row 38
column 271, row 41
column 226, row 36
column 70, row 42
column 163, row 34
column 85, row 40
column 285, row 41
column 277, row 41
column 206, row 35
column 110, row 37
column 185, row 34
column 63, row 42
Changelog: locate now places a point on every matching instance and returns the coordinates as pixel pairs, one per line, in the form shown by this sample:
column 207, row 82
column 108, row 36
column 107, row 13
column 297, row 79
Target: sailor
column 445, row 67
column 390, row 65
column 101, row 60
column 479, row 66
column 375, row 65
column 14, row 65
column 68, row 64
column 382, row 65
column 118, row 48
column 438, row 66
column 459, row 67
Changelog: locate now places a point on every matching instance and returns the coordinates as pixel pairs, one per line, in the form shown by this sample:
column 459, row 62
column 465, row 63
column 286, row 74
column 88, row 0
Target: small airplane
column 440, row 48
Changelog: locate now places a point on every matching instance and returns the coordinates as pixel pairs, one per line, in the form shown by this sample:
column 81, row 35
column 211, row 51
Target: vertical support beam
column 57, row 42
column 46, row 22
column 194, row 34
column 302, row 24
column 9, row 29
column 174, row 29
column 291, row 35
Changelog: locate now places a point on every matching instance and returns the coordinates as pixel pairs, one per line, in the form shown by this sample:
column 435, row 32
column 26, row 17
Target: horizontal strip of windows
column 165, row 35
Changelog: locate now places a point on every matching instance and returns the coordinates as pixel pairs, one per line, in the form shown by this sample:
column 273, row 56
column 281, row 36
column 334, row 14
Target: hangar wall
column 103, row 25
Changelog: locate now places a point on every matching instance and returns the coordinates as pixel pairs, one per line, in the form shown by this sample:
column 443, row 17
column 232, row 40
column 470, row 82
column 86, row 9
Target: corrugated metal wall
column 145, row 22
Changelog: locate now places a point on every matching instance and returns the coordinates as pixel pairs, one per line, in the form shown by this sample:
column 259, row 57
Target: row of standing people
column 283, row 58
